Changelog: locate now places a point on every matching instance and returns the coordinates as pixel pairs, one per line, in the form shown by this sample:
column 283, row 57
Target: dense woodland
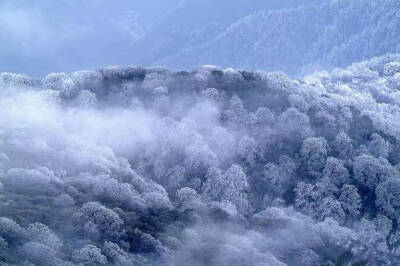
column 146, row 166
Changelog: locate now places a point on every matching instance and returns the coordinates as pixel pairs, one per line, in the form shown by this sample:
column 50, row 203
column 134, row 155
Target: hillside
column 147, row 166
column 42, row 36
column 301, row 40
column 195, row 22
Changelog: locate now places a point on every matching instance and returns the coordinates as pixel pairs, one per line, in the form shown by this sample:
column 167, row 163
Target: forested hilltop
column 300, row 40
column 147, row 166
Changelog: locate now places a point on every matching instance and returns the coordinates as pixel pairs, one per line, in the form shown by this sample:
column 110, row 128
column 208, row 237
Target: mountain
column 292, row 35
column 194, row 22
column 300, row 40
column 39, row 37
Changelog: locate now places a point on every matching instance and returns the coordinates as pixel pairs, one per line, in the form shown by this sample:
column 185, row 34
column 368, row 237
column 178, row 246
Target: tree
column 214, row 94
column 214, row 184
column 40, row 233
column 63, row 83
column 199, row 158
column 271, row 217
column 350, row 200
column 329, row 208
column 264, row 116
column 292, row 128
column 391, row 68
column 294, row 125
column 232, row 187
column 298, row 102
column 388, row 197
column 86, row 98
column 317, row 201
column 31, row 181
column 342, row 144
column 394, row 82
column 95, row 216
column 247, row 149
column 176, row 177
column 370, row 171
column 279, row 178
column 88, row 80
column 146, row 243
column 237, row 116
column 157, row 201
column 313, row 153
column 371, row 244
column 279, row 82
column 335, row 172
column 188, row 198
column 226, row 206
column 64, row 201
column 115, row 254
column 308, row 258
column 89, row 255
column 383, row 224
column 378, row 147
column 40, row 254
column 237, row 188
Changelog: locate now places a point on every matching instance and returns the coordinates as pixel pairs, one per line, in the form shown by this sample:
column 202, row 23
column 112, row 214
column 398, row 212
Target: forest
column 211, row 166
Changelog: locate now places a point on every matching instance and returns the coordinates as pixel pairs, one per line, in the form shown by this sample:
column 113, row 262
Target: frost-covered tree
column 343, row 146
column 314, row 152
column 237, row 188
column 40, row 233
column 279, row 178
column 247, row 149
column 188, row 198
column 41, row 254
column 378, row 147
column 388, row 197
column 350, row 200
column 370, row 171
column 335, row 172
column 10, row 231
column 89, row 255
column 318, row 202
column 94, row 217
column 214, row 184
column 293, row 127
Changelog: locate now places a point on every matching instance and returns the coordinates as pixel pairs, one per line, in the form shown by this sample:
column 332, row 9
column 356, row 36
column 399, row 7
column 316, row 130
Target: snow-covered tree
column 350, row 200
column 335, row 172
column 370, row 171
column 314, row 152
column 93, row 216
column 89, row 255
column 388, row 197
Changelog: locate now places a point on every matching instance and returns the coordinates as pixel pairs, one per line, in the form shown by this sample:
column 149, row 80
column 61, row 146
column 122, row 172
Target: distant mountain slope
column 194, row 22
column 41, row 36
column 302, row 39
